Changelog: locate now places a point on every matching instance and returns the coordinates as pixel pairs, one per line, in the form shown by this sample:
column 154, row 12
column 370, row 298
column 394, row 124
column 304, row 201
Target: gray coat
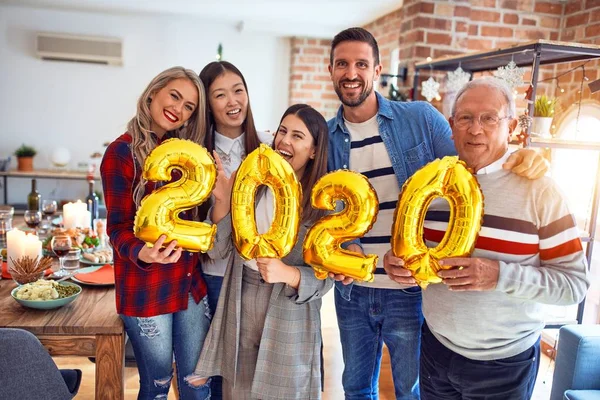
column 289, row 357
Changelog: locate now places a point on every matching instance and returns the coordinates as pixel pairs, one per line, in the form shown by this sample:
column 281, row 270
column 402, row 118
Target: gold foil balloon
column 265, row 167
column 322, row 245
column 159, row 211
column 448, row 178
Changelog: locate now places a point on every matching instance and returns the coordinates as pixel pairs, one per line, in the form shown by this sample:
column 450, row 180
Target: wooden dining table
column 88, row 327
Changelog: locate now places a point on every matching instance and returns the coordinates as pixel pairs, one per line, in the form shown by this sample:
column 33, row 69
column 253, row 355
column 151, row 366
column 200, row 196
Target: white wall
column 80, row 106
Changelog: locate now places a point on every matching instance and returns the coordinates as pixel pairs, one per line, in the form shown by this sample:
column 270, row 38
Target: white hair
column 492, row 83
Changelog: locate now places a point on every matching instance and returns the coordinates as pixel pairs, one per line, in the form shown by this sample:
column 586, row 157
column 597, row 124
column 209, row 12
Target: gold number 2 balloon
column 322, row 245
column 265, row 167
column 448, row 178
column 158, row 213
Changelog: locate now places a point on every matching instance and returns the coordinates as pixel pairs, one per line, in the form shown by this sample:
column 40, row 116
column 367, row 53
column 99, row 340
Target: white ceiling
column 316, row 18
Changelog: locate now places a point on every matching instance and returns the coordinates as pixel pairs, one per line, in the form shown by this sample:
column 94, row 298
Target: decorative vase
column 541, row 127
column 25, row 164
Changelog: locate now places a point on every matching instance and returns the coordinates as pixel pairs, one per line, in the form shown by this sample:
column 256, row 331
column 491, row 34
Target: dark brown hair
column 316, row 167
column 353, row 35
column 208, row 75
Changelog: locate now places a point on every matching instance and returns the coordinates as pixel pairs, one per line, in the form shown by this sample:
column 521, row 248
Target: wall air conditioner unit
column 77, row 48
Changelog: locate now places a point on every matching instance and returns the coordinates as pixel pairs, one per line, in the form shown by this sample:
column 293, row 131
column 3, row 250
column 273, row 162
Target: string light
column 557, row 77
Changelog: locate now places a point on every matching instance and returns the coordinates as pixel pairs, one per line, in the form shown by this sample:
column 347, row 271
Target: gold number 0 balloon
column 322, row 245
column 448, row 178
column 265, row 167
column 159, row 211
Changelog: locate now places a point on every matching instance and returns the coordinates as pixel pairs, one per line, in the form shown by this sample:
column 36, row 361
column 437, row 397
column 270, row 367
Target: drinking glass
column 61, row 245
column 49, row 208
column 33, row 219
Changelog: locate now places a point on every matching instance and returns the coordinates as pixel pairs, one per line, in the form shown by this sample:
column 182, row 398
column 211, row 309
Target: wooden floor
column 333, row 367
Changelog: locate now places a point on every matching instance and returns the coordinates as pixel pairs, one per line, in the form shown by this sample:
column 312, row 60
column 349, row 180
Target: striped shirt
column 527, row 227
column 369, row 156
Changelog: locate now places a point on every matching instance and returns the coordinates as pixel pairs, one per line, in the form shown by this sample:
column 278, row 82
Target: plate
column 47, row 304
column 88, row 262
column 88, row 270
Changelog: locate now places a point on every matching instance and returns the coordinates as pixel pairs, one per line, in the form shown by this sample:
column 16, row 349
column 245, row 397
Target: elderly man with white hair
column 481, row 336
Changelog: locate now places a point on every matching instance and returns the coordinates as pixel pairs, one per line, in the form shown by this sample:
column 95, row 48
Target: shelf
column 47, row 174
column 552, row 52
column 564, row 144
column 42, row 174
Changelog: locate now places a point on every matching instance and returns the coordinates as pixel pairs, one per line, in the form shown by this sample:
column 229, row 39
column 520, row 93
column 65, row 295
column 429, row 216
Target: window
column 575, row 173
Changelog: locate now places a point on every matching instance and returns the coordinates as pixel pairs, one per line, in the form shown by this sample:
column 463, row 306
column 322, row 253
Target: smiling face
column 228, row 101
column 353, row 71
column 477, row 146
column 173, row 105
column 294, row 143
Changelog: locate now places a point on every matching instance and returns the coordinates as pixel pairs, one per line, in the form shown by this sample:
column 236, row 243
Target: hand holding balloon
column 394, row 268
column 451, row 179
column 154, row 254
column 224, row 183
column 158, row 213
column 222, row 191
column 322, row 245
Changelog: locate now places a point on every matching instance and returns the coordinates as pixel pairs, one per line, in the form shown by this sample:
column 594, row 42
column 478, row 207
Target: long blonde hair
column 139, row 126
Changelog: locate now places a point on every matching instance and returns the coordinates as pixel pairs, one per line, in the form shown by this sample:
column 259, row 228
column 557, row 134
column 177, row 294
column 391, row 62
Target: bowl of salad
column 46, row 294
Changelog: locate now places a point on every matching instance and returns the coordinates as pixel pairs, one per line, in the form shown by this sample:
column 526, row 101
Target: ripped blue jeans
column 157, row 340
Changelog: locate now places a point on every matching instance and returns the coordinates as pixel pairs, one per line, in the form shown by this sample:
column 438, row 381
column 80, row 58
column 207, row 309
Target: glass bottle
column 34, row 198
column 92, row 202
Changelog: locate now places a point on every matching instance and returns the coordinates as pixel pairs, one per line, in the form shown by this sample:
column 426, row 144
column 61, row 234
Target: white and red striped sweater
column 528, row 228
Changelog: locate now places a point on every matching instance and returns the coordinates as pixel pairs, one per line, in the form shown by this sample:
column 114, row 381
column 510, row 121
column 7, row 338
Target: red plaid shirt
column 142, row 290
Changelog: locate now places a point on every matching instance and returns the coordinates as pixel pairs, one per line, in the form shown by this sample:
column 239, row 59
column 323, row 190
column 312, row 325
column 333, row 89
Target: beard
column 353, row 102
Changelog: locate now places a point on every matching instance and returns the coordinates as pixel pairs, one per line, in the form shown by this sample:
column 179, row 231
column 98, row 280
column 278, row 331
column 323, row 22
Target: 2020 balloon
column 265, row 167
column 322, row 245
column 448, row 178
column 158, row 213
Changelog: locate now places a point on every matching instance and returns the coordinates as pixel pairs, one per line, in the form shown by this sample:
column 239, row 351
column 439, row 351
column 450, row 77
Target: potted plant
column 542, row 115
column 25, row 157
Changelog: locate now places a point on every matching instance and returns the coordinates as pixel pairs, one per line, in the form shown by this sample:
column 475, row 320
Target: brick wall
column 435, row 28
column 581, row 24
column 310, row 82
column 457, row 27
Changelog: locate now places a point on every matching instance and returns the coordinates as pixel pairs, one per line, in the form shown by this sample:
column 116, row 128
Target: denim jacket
column 414, row 134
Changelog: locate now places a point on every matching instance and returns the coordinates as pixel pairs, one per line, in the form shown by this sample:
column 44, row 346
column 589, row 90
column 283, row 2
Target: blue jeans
column 213, row 286
column 446, row 375
column 373, row 317
column 156, row 340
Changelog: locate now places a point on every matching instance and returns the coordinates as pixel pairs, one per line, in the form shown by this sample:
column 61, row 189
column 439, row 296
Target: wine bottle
column 92, row 202
column 34, row 198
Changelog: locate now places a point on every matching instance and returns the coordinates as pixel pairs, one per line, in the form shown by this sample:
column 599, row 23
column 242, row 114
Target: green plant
column 25, row 151
column 544, row 106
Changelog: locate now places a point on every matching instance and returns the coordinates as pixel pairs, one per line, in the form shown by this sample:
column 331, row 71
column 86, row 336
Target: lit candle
column 85, row 219
column 19, row 244
column 83, row 215
column 69, row 216
column 76, row 215
column 32, row 246
column 15, row 245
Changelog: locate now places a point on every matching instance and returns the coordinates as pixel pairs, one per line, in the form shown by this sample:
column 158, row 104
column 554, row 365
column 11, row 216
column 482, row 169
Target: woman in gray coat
column 265, row 337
